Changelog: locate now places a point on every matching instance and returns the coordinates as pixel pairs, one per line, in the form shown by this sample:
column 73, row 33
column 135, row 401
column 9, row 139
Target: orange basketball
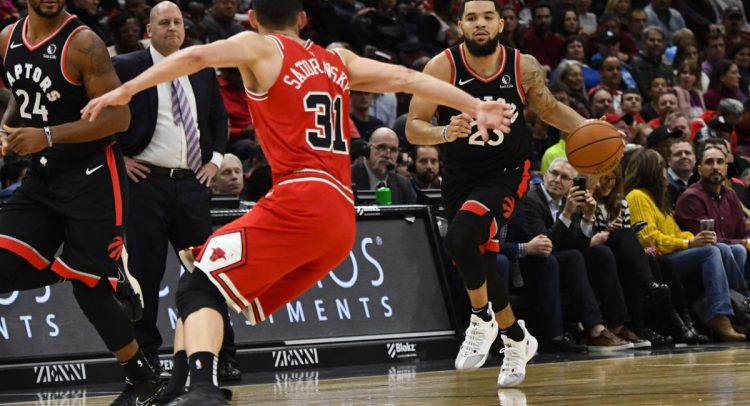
column 594, row 147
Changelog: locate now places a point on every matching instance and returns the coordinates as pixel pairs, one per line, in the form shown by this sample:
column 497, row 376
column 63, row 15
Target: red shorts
column 288, row 242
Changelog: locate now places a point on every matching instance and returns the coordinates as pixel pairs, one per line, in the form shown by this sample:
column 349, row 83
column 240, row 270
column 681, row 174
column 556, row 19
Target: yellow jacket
column 662, row 231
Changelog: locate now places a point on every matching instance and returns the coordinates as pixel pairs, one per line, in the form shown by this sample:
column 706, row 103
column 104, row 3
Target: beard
column 46, row 14
column 716, row 178
column 486, row 49
column 426, row 177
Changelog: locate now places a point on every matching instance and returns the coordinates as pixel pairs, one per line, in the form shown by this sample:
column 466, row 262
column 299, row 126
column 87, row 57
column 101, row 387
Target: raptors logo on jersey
column 316, row 135
column 46, row 93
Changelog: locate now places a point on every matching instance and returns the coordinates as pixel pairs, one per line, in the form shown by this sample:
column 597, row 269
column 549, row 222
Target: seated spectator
column 601, row 102
column 609, row 47
column 573, row 47
column 656, row 87
column 258, row 179
column 426, row 165
column 360, row 103
column 725, row 83
column 229, row 177
column 714, row 51
column 570, row 78
column 609, row 31
column 681, row 164
column 689, row 52
column 733, row 21
column 632, row 104
column 666, row 103
column 546, row 272
column 710, row 198
column 688, row 90
column 512, row 31
column 636, row 26
column 552, row 209
column 691, row 255
column 378, row 170
column 570, row 24
column 619, row 122
column 539, row 40
column 661, row 139
column 127, row 34
column 586, row 17
column 633, row 265
column 669, row 20
column 651, row 62
column 219, row 22
column 12, row 172
column 610, row 72
column 641, row 133
column 740, row 54
column 678, row 121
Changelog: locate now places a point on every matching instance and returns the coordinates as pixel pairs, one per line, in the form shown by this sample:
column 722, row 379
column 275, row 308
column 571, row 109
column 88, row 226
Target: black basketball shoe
column 204, row 395
column 145, row 393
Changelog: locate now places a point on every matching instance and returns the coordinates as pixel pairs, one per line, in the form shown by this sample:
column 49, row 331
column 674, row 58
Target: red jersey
column 301, row 120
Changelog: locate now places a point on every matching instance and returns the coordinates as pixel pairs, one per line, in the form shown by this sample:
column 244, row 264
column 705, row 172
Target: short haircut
column 562, row 160
column 463, row 7
column 277, row 13
column 649, row 29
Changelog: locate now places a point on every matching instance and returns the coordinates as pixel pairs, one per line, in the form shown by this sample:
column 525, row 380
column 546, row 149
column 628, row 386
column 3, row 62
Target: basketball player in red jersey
column 298, row 93
column 485, row 179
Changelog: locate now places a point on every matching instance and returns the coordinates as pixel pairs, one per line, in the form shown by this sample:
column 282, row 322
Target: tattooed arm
column 541, row 99
column 89, row 61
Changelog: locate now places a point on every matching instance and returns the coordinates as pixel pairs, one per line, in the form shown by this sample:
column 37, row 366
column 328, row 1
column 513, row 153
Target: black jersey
column 45, row 92
column 469, row 159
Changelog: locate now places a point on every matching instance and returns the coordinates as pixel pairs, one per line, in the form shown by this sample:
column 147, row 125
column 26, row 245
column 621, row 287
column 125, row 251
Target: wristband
column 444, row 134
column 48, row 134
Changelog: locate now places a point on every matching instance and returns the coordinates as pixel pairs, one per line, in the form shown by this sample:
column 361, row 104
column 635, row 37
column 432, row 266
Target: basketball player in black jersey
column 75, row 191
column 485, row 178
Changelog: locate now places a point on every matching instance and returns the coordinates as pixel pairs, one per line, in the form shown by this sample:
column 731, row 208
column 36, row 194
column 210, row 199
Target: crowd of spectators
column 672, row 75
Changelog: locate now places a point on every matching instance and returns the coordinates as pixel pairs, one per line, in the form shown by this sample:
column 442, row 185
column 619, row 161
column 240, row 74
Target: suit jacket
column 539, row 221
column 212, row 116
column 401, row 190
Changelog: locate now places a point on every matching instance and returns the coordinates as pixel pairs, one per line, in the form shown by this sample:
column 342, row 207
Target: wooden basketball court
column 713, row 375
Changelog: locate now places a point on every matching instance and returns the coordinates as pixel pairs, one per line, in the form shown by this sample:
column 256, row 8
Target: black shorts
column 81, row 205
column 498, row 194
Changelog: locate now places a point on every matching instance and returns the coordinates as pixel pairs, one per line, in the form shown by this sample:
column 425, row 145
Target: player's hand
column 136, row 169
column 459, row 127
column 493, row 114
column 540, row 245
column 206, row 174
column 25, row 140
column 116, row 97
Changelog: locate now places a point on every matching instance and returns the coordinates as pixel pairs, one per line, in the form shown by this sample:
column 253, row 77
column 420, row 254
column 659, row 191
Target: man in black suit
column 173, row 149
column 565, row 214
column 377, row 170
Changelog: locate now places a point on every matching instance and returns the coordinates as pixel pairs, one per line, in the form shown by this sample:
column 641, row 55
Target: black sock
column 203, row 367
column 138, row 369
column 514, row 332
column 179, row 373
column 483, row 312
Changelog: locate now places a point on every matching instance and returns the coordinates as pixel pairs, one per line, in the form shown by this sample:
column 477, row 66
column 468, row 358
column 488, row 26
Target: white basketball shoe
column 517, row 354
column 476, row 346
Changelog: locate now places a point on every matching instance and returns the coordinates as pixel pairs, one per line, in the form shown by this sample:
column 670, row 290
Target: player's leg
column 30, row 235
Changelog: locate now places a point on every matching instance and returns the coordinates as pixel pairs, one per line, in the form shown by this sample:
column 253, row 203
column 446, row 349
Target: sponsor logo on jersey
column 506, row 82
column 51, row 50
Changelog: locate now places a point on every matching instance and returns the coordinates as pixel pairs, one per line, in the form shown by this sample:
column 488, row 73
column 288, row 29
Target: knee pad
column 196, row 292
column 105, row 313
column 463, row 240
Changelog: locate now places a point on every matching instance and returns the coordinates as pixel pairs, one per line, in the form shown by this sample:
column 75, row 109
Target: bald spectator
column 665, row 104
column 378, row 170
column 229, row 177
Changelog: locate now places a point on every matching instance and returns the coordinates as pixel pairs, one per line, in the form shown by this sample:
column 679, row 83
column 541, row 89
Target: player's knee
column 462, row 237
column 196, row 292
column 105, row 313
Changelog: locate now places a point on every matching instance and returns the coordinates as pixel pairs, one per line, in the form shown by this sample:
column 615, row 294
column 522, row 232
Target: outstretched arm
column 244, row 49
column 372, row 76
column 541, row 99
